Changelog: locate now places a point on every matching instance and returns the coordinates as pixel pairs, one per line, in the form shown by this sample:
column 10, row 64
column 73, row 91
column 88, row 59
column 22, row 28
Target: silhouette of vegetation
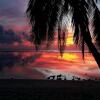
column 58, row 77
column 47, row 15
column 74, row 78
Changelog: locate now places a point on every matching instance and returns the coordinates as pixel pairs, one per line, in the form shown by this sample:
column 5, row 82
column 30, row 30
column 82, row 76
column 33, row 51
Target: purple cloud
column 12, row 12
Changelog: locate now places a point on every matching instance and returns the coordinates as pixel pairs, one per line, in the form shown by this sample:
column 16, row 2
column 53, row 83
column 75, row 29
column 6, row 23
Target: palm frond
column 61, row 32
column 43, row 15
column 96, row 23
column 80, row 21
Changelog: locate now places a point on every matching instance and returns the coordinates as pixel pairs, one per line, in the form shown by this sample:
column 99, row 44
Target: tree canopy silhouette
column 47, row 15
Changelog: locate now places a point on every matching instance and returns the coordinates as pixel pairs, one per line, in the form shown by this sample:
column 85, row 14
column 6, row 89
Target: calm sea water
column 32, row 65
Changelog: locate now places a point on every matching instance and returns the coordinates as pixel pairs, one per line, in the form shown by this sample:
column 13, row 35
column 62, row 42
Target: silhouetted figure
column 78, row 79
column 73, row 78
column 51, row 78
column 59, row 77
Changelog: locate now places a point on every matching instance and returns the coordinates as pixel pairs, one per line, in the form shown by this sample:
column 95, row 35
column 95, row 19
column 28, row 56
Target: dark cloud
column 11, row 59
column 8, row 36
column 8, row 60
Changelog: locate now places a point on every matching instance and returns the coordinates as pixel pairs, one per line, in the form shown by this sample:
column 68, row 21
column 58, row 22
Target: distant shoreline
column 31, row 50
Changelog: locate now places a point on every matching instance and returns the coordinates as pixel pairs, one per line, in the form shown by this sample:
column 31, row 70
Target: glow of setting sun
column 69, row 40
column 68, row 56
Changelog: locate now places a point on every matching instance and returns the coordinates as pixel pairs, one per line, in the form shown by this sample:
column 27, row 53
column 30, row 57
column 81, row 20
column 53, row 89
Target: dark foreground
column 43, row 90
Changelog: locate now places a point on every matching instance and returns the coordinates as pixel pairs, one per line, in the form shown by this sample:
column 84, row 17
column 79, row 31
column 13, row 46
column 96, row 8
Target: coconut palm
column 47, row 15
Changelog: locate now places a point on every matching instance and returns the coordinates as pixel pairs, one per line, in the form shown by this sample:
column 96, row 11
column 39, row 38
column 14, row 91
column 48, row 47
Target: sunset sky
column 13, row 17
column 12, row 14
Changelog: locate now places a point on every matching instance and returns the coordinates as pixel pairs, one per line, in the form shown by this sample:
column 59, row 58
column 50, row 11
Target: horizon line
column 31, row 50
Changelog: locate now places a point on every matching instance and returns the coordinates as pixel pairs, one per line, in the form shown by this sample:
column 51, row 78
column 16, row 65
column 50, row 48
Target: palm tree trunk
column 93, row 50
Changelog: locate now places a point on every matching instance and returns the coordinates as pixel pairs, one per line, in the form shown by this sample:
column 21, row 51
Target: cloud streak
column 12, row 13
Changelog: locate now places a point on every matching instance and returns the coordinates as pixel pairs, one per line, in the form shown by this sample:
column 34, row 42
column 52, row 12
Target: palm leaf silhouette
column 46, row 15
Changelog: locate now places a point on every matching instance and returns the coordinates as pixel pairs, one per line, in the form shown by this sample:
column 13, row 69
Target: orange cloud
column 69, row 56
